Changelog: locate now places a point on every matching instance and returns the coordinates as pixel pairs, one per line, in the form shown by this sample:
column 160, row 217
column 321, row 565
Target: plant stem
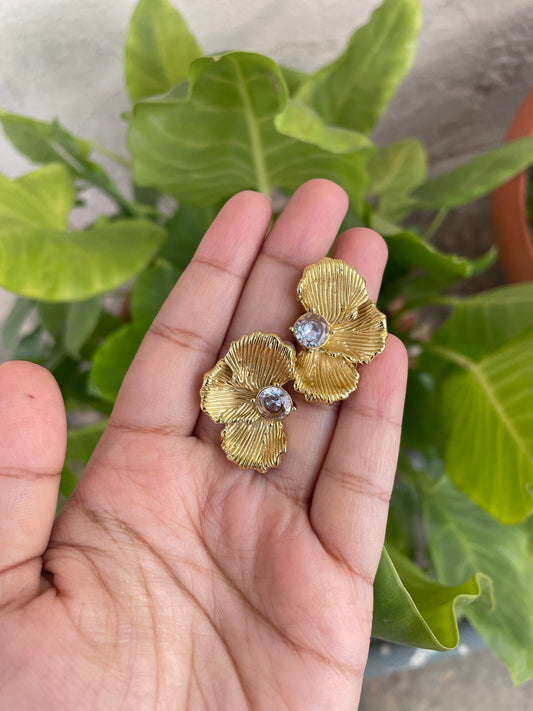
column 435, row 223
column 111, row 154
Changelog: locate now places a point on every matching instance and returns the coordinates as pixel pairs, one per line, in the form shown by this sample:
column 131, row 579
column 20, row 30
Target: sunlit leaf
column 411, row 608
column 84, row 263
column 42, row 198
column 355, row 89
column 159, row 49
column 487, row 409
column 205, row 141
column 476, row 177
column 484, row 322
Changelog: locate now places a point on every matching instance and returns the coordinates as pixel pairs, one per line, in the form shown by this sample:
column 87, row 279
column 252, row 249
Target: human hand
column 172, row 579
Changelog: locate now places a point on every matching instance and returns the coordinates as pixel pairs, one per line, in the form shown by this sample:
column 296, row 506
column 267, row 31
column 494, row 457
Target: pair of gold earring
column 341, row 328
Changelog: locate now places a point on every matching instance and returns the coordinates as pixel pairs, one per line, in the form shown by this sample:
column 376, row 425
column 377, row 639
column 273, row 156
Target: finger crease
column 358, row 484
column 28, row 474
column 293, row 266
column 372, row 413
column 137, row 428
column 183, row 338
column 219, row 267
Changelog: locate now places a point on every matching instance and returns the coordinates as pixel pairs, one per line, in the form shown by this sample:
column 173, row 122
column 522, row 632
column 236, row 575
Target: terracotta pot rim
column 509, row 209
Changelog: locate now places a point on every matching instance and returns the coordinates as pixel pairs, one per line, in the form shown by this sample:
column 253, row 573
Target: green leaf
column 113, row 358
column 151, row 289
column 411, row 608
column 488, row 412
column 185, row 230
column 52, row 265
column 482, row 323
column 394, row 171
column 293, row 78
column 53, row 317
column 403, row 519
column 464, row 539
column 301, row 122
column 355, row 89
column 35, row 347
column 205, row 141
column 81, row 443
column 159, row 49
column 398, row 167
column 16, row 318
column 41, row 142
column 476, row 177
column 409, row 252
column 50, row 142
column 42, row 198
column 81, row 321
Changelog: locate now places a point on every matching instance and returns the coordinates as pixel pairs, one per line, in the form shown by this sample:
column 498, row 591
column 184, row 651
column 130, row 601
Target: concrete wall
column 474, row 65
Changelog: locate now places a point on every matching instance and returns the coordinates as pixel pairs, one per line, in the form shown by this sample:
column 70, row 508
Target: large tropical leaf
column 487, row 408
column 53, row 265
column 42, row 198
column 355, row 89
column 159, row 49
column 41, row 259
column 482, row 323
column 476, row 177
column 464, row 539
column 205, row 141
column 411, row 608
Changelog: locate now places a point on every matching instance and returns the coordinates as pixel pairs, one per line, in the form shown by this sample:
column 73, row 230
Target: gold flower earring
column 245, row 392
column 341, row 328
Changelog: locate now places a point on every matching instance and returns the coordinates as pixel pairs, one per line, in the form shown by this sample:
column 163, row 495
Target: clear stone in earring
column 273, row 403
column 311, row 330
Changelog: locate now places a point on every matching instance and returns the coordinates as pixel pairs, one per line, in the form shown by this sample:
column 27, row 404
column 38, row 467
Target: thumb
column 32, row 450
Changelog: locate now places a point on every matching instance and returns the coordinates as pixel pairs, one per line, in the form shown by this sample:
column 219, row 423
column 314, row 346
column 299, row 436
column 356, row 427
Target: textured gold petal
column 257, row 446
column 259, row 360
column 359, row 340
column 333, row 289
column 324, row 378
column 223, row 401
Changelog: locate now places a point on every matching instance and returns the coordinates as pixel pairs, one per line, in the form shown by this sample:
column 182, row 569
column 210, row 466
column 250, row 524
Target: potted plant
column 512, row 213
column 467, row 452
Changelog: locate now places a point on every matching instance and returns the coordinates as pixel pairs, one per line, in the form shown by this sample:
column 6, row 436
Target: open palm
column 172, row 579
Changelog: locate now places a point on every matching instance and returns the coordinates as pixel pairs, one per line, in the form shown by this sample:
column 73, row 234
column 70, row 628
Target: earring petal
column 259, row 360
column 359, row 340
column 324, row 378
column 255, row 446
column 333, row 289
column 223, row 401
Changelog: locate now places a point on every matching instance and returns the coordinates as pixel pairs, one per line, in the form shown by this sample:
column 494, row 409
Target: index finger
column 160, row 390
